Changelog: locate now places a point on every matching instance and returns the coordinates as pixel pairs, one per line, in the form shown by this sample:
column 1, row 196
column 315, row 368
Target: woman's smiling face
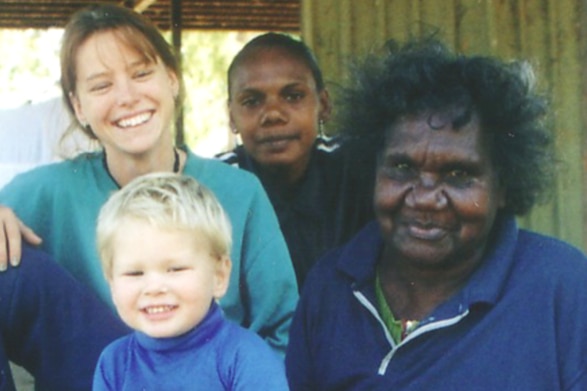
column 437, row 193
column 127, row 99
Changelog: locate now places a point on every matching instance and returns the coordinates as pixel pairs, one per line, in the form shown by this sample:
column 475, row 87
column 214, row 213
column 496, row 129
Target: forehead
column 270, row 65
column 131, row 230
column 415, row 136
column 108, row 46
column 102, row 49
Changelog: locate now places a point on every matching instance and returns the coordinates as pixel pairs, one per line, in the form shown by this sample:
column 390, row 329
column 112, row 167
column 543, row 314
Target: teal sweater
column 61, row 201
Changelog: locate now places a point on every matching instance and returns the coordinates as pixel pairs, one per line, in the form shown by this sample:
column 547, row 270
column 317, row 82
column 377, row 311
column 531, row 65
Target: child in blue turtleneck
column 164, row 242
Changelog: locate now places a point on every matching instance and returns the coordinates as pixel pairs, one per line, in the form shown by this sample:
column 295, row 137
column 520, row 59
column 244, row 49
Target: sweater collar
column 208, row 327
column 107, row 183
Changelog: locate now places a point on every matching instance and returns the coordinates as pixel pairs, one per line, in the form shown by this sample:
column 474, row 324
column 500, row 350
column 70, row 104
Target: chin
column 162, row 333
column 277, row 156
column 426, row 255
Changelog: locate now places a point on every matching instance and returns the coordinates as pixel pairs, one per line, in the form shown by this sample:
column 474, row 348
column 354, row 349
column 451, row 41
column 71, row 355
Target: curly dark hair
column 424, row 77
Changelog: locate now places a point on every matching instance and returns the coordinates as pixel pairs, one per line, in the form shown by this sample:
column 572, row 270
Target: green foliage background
column 206, row 57
column 29, row 72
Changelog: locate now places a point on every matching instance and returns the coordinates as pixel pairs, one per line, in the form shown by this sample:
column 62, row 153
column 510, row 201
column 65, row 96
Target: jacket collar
column 359, row 258
column 306, row 194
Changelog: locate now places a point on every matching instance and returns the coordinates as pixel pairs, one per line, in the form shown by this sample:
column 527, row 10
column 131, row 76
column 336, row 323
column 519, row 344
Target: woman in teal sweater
column 123, row 84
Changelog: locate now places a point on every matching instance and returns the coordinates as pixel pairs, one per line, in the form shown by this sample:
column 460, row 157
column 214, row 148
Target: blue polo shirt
column 520, row 323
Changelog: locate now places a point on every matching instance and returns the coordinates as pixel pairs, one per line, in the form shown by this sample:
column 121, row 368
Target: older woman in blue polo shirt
column 443, row 291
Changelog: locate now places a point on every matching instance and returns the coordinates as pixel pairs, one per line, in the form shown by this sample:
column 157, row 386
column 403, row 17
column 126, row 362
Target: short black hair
column 283, row 41
column 424, row 77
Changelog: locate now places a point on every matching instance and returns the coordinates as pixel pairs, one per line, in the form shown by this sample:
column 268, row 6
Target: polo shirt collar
column 359, row 257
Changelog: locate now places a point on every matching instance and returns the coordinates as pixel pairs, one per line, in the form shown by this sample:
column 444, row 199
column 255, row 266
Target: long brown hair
column 130, row 27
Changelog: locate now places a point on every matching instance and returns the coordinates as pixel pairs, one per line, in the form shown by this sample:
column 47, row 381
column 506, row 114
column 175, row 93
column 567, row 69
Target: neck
column 413, row 292
column 123, row 169
column 284, row 177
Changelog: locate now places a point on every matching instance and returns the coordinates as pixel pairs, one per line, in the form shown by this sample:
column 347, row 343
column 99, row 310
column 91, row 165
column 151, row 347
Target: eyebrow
column 134, row 64
column 249, row 90
column 455, row 161
column 95, row 76
column 294, row 84
column 289, row 85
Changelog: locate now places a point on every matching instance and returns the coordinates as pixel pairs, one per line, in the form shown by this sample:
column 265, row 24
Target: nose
column 155, row 285
column 426, row 193
column 273, row 113
column 126, row 92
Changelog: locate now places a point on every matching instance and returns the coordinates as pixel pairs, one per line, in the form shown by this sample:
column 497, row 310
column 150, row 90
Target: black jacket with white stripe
column 326, row 208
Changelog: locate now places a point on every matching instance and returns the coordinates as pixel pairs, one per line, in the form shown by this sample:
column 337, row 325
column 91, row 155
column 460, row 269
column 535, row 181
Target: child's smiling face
column 163, row 281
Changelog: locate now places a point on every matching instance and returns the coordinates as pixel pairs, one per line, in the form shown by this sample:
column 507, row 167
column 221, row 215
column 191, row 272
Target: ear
column 174, row 82
column 222, row 277
column 231, row 122
column 325, row 105
column 77, row 108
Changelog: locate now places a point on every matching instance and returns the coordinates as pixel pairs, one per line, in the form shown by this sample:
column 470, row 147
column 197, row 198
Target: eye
column 177, row 269
column 399, row 170
column 459, row 177
column 142, row 73
column 458, row 173
column 250, row 100
column 133, row 273
column 294, row 96
column 100, row 87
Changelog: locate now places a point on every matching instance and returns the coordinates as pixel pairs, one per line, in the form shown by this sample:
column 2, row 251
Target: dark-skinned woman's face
column 437, row 193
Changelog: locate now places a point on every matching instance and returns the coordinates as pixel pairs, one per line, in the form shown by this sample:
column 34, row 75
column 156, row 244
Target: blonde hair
column 167, row 201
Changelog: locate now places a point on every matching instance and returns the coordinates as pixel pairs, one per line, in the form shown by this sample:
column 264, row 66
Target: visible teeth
column 158, row 309
column 134, row 121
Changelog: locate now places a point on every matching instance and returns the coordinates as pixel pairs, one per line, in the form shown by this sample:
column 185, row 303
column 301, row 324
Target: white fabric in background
column 30, row 136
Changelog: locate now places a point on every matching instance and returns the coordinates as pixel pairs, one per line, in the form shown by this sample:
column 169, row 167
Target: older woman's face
column 436, row 194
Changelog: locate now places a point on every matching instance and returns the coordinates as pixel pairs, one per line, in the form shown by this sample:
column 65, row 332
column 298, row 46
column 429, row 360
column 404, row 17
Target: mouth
column 277, row 140
column 135, row 120
column 426, row 231
column 158, row 309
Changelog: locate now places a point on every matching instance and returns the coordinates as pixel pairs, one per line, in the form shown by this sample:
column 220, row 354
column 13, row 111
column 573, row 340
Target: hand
column 12, row 231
